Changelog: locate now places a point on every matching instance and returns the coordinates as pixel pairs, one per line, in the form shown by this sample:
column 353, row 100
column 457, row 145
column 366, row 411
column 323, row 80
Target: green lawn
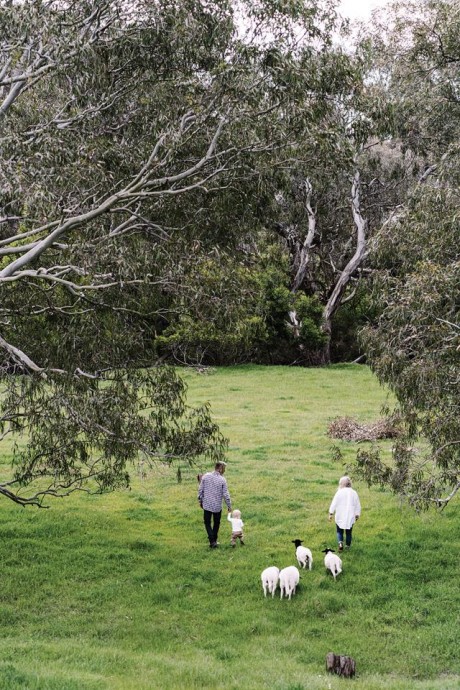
column 122, row 591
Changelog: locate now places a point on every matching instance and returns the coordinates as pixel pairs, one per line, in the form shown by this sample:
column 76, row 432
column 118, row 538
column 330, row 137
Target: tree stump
column 342, row 665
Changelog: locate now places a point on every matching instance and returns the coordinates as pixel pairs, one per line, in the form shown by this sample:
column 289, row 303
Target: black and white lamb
column 332, row 562
column 303, row 555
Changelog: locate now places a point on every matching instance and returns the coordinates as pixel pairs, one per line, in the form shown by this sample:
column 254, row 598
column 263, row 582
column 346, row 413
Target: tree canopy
column 196, row 182
column 128, row 132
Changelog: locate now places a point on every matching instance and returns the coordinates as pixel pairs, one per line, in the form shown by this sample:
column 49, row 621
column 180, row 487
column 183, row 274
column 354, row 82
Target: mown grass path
column 122, row 592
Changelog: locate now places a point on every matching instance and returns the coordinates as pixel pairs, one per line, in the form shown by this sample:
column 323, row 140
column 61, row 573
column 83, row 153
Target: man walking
column 213, row 490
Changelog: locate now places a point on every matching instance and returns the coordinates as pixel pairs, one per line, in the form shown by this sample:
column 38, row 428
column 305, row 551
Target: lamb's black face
column 297, row 542
column 328, row 550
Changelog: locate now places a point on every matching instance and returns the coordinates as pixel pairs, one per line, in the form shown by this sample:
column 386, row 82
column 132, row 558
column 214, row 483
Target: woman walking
column 347, row 509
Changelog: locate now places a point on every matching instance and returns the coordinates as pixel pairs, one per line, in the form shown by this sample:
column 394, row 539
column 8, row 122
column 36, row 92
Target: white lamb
column 332, row 562
column 303, row 555
column 289, row 579
column 269, row 579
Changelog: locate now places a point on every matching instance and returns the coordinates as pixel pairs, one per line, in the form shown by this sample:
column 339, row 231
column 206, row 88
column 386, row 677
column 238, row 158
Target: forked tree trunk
column 301, row 254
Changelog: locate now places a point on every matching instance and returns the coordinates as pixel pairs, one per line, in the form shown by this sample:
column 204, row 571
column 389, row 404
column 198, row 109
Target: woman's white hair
column 344, row 481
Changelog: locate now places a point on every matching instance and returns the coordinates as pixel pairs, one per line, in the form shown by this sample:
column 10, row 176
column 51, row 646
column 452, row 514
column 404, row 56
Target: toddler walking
column 237, row 527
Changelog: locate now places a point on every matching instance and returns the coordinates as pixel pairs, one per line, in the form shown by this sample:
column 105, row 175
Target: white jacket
column 346, row 507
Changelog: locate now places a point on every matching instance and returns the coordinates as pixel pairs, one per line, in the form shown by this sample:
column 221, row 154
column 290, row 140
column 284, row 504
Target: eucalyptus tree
column 118, row 122
column 310, row 203
column 414, row 346
column 305, row 83
column 331, row 200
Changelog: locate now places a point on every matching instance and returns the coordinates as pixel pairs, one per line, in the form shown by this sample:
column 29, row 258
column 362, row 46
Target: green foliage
column 170, row 154
column 166, row 75
column 281, row 344
column 414, row 51
column 214, row 315
column 134, row 140
column 310, row 312
column 89, row 434
column 202, row 342
column 229, row 311
column 414, row 345
column 278, row 301
column 350, row 319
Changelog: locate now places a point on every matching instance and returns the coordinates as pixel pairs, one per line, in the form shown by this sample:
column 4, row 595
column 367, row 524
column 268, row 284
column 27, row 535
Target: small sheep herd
column 288, row 578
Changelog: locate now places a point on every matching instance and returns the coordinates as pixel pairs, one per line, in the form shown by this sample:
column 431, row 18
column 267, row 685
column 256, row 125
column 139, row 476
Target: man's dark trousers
column 213, row 530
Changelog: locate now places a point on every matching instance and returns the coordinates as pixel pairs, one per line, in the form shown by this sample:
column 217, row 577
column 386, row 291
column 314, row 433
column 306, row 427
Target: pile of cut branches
column 349, row 429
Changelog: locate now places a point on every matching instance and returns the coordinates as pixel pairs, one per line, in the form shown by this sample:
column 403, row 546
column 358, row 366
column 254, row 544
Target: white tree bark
column 353, row 265
column 305, row 252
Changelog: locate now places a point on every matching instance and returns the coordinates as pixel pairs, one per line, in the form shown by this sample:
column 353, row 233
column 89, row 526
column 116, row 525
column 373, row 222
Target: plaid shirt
column 213, row 490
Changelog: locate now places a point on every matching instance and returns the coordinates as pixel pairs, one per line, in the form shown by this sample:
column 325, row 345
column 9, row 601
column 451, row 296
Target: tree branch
column 442, row 502
column 358, row 257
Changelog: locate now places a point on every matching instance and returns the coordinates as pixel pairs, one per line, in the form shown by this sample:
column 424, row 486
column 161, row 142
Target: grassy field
column 122, row 592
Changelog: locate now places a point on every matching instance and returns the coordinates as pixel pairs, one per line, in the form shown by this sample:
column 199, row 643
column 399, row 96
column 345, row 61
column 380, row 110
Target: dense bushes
column 226, row 312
